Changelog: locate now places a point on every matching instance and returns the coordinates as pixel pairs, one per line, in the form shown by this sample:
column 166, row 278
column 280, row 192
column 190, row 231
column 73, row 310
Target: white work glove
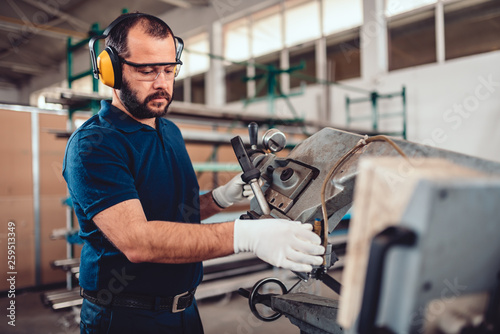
column 234, row 192
column 282, row 243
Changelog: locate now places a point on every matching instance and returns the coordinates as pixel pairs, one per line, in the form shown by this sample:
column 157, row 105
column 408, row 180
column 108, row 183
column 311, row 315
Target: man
column 135, row 194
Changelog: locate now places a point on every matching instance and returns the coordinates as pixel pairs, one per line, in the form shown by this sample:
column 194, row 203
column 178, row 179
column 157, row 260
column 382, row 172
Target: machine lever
column 331, row 282
column 250, row 174
column 253, row 132
column 244, row 293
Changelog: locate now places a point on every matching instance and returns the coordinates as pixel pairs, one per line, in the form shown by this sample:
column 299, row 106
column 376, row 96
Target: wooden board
column 16, row 195
column 383, row 189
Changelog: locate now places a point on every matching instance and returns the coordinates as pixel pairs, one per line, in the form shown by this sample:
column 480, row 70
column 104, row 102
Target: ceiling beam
column 74, row 21
column 44, row 29
column 178, row 3
column 22, row 67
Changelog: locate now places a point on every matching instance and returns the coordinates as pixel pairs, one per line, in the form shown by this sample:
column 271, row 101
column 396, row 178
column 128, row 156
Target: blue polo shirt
column 112, row 158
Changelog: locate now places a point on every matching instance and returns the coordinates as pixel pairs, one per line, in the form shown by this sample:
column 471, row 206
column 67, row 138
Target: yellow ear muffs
column 109, row 67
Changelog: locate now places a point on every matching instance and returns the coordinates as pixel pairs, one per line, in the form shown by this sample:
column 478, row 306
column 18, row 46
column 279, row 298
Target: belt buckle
column 176, row 301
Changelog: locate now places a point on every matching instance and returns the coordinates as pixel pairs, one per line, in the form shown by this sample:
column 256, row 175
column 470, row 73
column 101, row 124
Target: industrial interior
column 372, row 120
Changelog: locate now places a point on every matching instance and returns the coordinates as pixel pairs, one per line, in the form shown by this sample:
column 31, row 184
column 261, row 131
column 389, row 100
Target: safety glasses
column 151, row 72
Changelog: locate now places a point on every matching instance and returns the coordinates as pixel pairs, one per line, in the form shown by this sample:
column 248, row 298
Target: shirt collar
column 120, row 120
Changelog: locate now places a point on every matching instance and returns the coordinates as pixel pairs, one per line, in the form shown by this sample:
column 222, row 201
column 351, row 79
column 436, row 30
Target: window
column 237, row 40
column 196, row 62
column 236, row 86
column 343, row 57
column 412, row 40
column 179, row 90
column 195, row 57
column 395, row 7
column 266, row 32
column 301, row 22
column 339, row 15
column 198, row 88
column 305, row 56
column 471, row 29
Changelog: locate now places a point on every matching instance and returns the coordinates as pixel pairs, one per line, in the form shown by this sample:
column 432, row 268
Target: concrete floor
column 224, row 314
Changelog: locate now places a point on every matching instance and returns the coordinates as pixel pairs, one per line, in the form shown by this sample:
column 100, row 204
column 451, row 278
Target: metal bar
column 95, row 82
column 374, row 98
column 389, row 95
column 79, row 76
column 69, row 62
column 35, row 155
column 348, row 110
column 259, row 196
column 392, row 133
column 391, row 114
column 216, row 167
column 360, row 118
column 403, row 96
column 73, row 47
column 440, row 32
column 360, row 99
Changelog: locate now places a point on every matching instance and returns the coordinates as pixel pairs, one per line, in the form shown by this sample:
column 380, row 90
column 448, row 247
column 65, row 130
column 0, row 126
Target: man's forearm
column 208, row 207
column 126, row 226
column 168, row 242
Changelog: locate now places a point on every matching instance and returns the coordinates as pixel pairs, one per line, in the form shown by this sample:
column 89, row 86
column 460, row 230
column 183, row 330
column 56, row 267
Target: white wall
column 9, row 95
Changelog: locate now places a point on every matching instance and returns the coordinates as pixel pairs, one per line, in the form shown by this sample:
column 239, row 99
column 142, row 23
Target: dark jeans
column 97, row 319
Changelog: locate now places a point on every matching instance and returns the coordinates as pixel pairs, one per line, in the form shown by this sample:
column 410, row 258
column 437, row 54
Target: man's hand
column 234, row 192
column 282, row 243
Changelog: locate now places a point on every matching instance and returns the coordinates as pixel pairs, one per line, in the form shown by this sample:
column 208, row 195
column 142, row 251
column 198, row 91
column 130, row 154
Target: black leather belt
column 173, row 304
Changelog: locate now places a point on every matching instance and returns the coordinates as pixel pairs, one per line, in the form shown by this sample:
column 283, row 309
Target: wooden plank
column 383, row 189
column 16, row 195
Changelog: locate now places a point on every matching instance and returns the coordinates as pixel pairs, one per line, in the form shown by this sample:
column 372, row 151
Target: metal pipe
column 35, row 166
column 259, row 196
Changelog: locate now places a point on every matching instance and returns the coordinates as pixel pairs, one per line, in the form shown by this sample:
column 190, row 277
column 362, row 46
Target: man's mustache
column 157, row 95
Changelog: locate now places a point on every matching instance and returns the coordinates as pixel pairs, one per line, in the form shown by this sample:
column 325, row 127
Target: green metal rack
column 72, row 48
column 270, row 79
column 375, row 116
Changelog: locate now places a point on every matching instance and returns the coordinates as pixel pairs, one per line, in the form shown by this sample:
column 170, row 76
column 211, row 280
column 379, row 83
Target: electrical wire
column 361, row 143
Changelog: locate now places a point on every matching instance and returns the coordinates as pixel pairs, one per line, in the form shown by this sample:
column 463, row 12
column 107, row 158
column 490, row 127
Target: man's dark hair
column 152, row 25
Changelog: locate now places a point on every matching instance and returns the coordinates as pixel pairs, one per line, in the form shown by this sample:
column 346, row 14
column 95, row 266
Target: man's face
column 147, row 99
column 149, row 107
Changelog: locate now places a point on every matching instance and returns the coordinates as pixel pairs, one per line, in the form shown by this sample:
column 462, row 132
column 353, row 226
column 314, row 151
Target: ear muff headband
column 179, row 46
column 107, row 67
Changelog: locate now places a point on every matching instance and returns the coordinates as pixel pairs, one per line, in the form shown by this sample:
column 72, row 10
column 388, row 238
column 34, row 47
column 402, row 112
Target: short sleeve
column 96, row 169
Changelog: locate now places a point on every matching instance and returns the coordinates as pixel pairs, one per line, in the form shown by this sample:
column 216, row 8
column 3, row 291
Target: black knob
column 286, row 174
column 253, row 131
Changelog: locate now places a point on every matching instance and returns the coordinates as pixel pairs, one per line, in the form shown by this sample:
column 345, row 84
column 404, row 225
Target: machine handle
column 253, row 132
column 381, row 243
column 249, row 171
column 250, row 174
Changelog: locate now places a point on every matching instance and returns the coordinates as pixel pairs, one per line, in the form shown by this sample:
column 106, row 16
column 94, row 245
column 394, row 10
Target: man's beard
column 140, row 110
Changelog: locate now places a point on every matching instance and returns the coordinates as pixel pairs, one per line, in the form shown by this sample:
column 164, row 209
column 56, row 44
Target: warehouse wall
column 454, row 105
